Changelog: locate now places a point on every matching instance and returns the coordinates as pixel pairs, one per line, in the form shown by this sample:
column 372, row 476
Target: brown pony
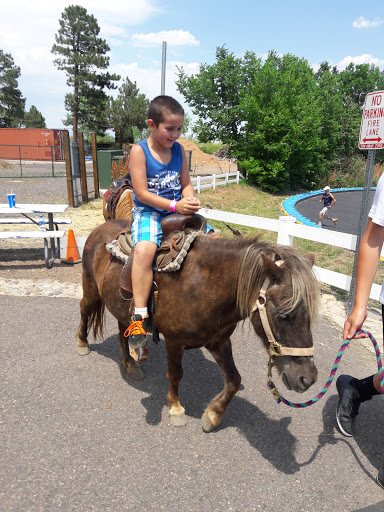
column 201, row 304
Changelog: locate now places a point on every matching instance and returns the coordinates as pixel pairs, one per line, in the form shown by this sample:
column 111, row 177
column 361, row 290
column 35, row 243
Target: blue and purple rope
column 271, row 386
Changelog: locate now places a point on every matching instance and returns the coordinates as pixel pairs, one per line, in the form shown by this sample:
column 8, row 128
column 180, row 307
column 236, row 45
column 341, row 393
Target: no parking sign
column 372, row 122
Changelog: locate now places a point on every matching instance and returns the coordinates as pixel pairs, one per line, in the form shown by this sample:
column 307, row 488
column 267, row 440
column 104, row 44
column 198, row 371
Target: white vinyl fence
column 215, row 180
column 287, row 230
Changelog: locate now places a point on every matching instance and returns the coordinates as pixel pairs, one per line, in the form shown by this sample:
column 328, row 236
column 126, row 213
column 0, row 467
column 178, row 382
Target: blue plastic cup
column 11, row 200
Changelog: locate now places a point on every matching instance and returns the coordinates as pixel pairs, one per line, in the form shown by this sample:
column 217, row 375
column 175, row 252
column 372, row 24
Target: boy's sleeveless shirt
column 163, row 179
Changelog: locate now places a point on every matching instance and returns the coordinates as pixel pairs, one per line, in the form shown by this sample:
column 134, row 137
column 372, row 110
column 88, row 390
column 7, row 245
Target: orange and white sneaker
column 334, row 221
column 137, row 331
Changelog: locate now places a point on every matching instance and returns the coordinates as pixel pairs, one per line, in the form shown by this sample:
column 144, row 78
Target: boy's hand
column 188, row 205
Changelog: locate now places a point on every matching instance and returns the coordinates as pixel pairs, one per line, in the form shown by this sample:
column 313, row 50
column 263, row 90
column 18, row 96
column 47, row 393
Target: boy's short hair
column 161, row 105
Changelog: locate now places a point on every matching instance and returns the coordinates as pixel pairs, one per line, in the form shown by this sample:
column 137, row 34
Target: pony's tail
column 96, row 319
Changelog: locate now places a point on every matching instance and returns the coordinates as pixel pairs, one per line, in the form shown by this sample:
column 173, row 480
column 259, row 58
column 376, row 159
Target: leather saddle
column 176, row 228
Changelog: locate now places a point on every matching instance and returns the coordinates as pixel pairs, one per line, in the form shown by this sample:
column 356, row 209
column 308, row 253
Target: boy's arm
column 189, row 203
column 367, row 263
column 333, row 200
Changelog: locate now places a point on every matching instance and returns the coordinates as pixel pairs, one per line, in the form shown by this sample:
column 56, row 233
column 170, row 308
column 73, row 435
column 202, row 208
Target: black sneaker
column 137, row 331
column 348, row 406
column 380, row 476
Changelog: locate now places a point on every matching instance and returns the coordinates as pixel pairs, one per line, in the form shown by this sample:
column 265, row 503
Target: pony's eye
column 284, row 317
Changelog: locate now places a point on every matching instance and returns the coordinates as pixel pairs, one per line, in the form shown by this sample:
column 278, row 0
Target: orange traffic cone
column 73, row 255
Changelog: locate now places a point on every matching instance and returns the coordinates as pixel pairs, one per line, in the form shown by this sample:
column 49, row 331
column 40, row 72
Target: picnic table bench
column 51, row 237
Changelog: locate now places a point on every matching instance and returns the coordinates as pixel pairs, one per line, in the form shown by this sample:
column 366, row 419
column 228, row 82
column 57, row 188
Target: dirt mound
column 5, row 165
column 199, row 158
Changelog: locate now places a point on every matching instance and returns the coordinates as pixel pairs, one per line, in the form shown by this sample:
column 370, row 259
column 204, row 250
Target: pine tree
column 12, row 102
column 34, row 119
column 127, row 111
column 82, row 54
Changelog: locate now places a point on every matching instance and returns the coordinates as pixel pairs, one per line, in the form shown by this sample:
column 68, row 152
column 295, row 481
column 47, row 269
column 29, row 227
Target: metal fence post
column 83, row 171
column 94, row 164
column 21, row 167
column 68, row 168
column 53, row 170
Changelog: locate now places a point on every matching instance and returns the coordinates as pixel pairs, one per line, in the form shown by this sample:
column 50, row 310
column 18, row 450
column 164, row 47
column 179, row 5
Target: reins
column 279, row 398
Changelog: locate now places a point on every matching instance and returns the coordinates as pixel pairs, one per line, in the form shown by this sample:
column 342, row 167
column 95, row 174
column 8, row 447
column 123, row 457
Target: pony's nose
column 304, row 383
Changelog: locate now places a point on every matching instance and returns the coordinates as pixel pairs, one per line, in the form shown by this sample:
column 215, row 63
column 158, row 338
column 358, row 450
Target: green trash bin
column 105, row 157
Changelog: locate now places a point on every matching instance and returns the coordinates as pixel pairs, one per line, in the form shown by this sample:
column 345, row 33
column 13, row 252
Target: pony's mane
column 250, row 277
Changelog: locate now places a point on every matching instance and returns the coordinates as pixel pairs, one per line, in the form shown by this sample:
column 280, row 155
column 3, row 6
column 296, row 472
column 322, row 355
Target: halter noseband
column 275, row 349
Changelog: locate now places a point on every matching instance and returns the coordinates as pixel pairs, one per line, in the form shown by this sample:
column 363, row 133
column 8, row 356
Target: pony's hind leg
column 222, row 352
column 177, row 416
column 128, row 364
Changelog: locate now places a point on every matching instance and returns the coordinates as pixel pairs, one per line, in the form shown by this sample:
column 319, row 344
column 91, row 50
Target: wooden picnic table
column 25, row 211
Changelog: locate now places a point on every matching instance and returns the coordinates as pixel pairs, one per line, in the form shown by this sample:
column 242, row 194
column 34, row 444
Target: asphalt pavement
column 346, row 210
column 78, row 435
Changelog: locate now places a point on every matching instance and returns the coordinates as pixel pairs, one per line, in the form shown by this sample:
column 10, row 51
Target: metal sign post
column 163, row 63
column 363, row 221
column 371, row 138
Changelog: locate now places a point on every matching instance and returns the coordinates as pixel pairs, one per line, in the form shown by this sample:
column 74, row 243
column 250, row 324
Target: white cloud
column 173, row 38
column 366, row 58
column 362, row 22
column 148, row 79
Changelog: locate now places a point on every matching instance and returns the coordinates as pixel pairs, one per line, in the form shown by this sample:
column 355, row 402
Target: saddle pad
column 115, row 248
column 175, row 264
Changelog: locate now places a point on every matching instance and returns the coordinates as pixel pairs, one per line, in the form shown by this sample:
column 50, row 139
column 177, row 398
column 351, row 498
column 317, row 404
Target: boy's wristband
column 172, row 206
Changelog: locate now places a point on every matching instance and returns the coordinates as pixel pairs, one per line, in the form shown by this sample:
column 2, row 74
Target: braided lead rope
column 271, row 386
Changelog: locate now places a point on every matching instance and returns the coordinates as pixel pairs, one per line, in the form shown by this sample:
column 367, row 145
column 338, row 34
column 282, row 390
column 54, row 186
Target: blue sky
column 336, row 31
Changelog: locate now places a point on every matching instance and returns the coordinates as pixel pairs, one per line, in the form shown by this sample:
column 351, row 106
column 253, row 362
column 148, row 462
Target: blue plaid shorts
column 146, row 225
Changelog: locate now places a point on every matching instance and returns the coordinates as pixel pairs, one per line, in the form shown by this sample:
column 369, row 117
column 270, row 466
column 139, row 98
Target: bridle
column 275, row 349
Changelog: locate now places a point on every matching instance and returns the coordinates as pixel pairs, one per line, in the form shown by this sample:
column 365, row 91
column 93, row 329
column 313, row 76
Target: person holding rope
column 352, row 392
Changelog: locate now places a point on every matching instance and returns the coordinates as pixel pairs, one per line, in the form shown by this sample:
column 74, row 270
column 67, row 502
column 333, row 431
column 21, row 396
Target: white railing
column 287, row 230
column 215, row 180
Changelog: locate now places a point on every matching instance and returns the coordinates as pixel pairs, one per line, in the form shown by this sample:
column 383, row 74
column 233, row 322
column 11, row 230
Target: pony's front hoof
column 210, row 420
column 178, row 420
column 135, row 372
column 83, row 350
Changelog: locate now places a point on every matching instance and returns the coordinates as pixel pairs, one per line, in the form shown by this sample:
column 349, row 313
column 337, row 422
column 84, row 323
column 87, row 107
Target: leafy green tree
column 286, row 125
column 34, row 119
column 127, row 111
column 214, row 94
column 341, row 116
column 12, row 103
column 82, row 54
column 357, row 81
column 281, row 119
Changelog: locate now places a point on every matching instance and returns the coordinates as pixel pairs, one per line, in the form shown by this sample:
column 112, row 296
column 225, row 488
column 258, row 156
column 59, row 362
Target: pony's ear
column 310, row 257
column 270, row 267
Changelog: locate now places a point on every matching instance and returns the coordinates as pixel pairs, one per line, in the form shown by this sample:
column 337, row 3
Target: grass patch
column 209, row 147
